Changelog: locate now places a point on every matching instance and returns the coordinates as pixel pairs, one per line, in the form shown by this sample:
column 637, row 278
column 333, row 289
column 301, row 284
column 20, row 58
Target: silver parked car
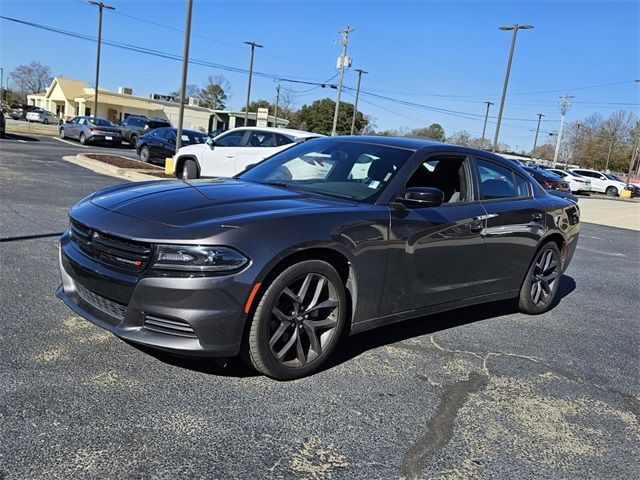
column 42, row 116
column 91, row 130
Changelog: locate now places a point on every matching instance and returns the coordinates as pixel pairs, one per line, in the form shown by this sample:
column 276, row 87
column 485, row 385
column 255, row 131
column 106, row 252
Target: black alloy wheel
column 298, row 321
column 543, row 278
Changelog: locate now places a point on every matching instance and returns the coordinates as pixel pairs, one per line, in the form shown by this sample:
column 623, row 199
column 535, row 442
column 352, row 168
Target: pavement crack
column 441, row 425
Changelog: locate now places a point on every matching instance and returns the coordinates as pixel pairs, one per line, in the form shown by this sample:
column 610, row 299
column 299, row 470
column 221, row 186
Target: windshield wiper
column 278, row 184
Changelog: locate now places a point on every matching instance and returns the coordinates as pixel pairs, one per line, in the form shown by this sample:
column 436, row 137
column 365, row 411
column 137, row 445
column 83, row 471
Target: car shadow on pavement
column 356, row 345
column 351, row 347
column 14, row 136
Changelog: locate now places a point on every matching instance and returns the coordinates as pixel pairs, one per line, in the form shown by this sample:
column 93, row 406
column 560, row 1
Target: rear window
column 158, row 124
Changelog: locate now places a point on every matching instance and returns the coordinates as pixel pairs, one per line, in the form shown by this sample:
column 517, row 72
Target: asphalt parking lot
column 480, row 392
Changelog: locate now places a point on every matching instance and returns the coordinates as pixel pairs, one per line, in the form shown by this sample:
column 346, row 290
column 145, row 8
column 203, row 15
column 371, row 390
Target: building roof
column 70, row 88
column 121, row 100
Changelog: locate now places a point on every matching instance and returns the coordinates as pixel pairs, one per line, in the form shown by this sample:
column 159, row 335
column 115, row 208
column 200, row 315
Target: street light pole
column 343, row 58
column 246, row 111
column 486, row 117
column 535, row 140
column 515, row 29
column 100, row 6
column 355, row 107
column 565, row 104
column 183, row 80
column 634, row 155
column 275, row 115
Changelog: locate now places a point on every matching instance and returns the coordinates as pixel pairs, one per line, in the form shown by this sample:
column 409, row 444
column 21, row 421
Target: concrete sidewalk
column 610, row 212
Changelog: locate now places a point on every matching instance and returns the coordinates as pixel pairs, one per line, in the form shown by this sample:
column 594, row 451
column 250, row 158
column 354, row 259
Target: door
column 259, row 145
column 219, row 160
column 515, row 224
column 155, row 142
column 434, row 252
column 598, row 181
column 168, row 148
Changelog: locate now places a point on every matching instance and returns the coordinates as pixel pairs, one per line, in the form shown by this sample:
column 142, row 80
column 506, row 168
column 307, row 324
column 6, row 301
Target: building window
column 87, row 112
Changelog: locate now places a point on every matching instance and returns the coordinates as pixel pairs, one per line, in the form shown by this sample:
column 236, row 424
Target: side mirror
column 422, row 196
column 249, row 167
column 211, row 142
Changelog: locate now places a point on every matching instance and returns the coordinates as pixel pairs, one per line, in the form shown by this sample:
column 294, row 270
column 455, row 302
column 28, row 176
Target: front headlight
column 195, row 258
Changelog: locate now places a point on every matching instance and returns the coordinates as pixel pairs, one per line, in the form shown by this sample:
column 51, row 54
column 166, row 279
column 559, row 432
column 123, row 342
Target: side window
column 231, row 139
column 170, row 135
column 282, row 140
column 522, row 186
column 158, row 133
column 444, row 173
column 496, row 181
column 260, row 139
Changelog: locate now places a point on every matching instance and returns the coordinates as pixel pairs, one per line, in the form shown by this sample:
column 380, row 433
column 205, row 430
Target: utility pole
column 355, row 107
column 515, row 29
column 1, row 85
column 634, row 155
column 344, row 41
column 275, row 115
column 486, row 117
column 185, row 65
column 564, row 105
column 246, row 111
column 535, row 140
column 100, row 6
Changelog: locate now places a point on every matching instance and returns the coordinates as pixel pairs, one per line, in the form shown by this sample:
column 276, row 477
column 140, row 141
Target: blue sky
column 445, row 55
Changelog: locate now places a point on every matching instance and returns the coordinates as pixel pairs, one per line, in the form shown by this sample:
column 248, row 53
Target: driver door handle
column 476, row 226
column 229, row 155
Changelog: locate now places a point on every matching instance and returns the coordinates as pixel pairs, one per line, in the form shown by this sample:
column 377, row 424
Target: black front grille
column 114, row 251
column 169, row 326
column 103, row 304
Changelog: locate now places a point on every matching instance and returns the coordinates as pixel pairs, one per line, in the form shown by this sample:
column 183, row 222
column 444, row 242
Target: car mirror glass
column 211, row 142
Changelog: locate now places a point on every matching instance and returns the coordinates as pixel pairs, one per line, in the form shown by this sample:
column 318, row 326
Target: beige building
column 69, row 98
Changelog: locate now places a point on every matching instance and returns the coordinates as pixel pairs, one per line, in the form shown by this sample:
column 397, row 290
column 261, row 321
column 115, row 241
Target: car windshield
column 343, row 169
column 101, row 122
column 190, row 137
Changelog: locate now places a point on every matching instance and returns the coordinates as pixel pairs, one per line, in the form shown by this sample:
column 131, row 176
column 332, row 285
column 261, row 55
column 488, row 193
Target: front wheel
column 46, row 121
column 298, row 321
column 145, row 155
column 189, row 170
column 540, row 286
column 612, row 191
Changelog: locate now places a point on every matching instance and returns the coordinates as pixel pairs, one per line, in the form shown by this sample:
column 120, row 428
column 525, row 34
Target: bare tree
column 216, row 92
column 32, row 78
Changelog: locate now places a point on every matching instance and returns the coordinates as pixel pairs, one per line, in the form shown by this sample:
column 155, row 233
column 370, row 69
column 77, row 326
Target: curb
column 130, row 174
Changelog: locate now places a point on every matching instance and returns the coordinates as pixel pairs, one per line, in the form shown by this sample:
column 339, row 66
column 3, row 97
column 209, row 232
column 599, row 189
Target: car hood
column 195, row 149
column 200, row 203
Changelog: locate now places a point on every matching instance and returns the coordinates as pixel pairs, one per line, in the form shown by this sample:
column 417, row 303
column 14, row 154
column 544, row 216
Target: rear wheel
column 298, row 321
column 133, row 140
column 612, row 191
column 145, row 155
column 62, row 133
column 83, row 139
column 46, row 121
column 541, row 283
column 189, row 170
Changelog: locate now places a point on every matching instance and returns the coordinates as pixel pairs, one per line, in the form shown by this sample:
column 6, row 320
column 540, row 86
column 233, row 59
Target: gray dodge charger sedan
column 325, row 239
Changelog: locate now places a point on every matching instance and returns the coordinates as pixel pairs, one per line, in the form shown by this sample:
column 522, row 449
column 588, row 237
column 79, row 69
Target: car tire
column 612, row 191
column 62, row 133
column 541, row 283
column 145, row 155
column 285, row 342
column 133, row 140
column 82, row 139
column 46, row 121
column 189, row 170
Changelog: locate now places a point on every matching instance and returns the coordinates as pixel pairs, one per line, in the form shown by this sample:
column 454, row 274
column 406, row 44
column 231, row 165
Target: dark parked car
column 161, row 142
column 91, row 130
column 132, row 128
column 18, row 111
column 333, row 236
column 548, row 180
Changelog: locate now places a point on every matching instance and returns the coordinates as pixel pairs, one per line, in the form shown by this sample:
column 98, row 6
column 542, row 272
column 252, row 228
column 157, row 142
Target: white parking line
column 69, row 143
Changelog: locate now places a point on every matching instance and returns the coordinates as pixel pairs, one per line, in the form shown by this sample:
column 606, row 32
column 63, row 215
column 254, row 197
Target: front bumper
column 205, row 314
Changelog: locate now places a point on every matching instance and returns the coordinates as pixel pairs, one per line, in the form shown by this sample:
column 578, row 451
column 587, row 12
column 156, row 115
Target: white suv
column 600, row 182
column 232, row 151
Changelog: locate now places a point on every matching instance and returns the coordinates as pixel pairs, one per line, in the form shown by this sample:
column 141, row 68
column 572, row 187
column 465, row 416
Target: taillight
column 93, row 129
column 549, row 184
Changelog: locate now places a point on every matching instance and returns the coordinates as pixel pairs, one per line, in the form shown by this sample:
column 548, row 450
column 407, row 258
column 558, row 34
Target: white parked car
column 577, row 183
column 600, row 182
column 42, row 116
column 232, row 151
